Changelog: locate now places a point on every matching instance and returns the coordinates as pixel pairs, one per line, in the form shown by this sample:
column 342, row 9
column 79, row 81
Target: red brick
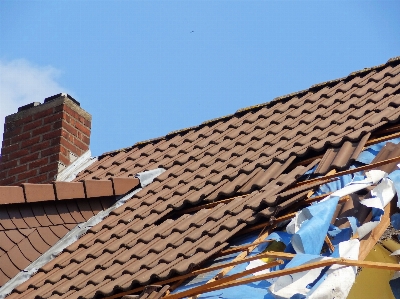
column 38, row 179
column 86, row 122
column 6, row 142
column 42, row 130
column 57, row 125
column 8, row 133
column 22, row 121
column 8, row 164
column 29, row 158
column 11, row 180
column 69, row 128
column 18, row 154
column 50, row 151
column 18, row 170
column 10, row 149
column 41, row 146
column 68, row 145
column 52, row 118
column 64, row 160
column 67, row 136
column 3, row 174
column 28, row 174
column 81, row 145
column 30, row 142
column 85, row 140
column 21, row 137
column 32, row 125
column 64, row 151
column 71, row 112
column 67, row 117
column 42, row 114
column 55, row 141
column 54, row 157
column 82, row 128
column 53, row 166
column 51, row 135
column 38, row 163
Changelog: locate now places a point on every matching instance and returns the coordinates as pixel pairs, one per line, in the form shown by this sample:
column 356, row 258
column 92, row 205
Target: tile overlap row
column 29, row 230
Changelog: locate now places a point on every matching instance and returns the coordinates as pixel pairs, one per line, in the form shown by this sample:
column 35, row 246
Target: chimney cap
column 28, row 106
column 56, row 96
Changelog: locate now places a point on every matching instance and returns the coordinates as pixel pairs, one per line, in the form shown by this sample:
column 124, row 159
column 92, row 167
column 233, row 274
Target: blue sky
column 145, row 68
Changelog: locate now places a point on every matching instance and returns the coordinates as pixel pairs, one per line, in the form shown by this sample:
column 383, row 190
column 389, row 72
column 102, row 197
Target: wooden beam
column 384, row 138
column 366, row 244
column 240, row 248
column 210, row 269
column 233, row 277
column 350, row 171
column 306, row 267
column 243, row 254
column 287, row 216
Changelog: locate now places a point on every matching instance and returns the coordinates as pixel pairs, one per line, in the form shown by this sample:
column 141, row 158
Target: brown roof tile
column 11, row 194
column 69, row 190
column 250, row 152
column 29, row 229
column 38, row 192
column 95, row 188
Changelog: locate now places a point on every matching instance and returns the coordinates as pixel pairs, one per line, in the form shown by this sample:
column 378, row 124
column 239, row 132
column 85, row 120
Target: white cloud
column 22, row 82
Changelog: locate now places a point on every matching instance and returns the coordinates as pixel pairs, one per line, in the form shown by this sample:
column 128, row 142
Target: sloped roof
column 33, row 217
column 258, row 152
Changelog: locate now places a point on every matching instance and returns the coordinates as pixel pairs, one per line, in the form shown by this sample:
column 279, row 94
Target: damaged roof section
column 233, row 175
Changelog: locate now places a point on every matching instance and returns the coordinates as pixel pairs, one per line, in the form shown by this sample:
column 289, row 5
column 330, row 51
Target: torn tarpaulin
column 395, row 220
column 395, row 285
column 324, row 282
column 309, row 229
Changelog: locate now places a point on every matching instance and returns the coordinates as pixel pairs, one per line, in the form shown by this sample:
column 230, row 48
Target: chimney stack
column 40, row 140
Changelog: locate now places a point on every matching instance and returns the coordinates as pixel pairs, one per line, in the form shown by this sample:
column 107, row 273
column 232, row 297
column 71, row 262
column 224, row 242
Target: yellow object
column 273, row 246
column 391, row 245
column 374, row 283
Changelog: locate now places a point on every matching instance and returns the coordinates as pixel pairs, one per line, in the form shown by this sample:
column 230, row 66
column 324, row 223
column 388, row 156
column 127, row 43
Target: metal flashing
column 69, row 173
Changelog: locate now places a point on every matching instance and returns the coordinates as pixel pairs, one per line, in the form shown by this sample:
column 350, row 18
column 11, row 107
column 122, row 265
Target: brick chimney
column 42, row 139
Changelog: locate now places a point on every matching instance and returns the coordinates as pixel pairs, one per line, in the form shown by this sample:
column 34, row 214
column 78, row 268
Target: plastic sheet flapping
column 309, row 229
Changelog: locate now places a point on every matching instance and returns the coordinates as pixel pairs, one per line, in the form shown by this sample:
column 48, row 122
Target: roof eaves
column 66, row 190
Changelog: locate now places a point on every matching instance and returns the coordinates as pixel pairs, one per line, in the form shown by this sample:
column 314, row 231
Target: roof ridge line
column 257, row 106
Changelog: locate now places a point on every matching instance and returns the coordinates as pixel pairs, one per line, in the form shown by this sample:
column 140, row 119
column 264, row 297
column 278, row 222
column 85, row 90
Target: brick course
column 36, row 139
